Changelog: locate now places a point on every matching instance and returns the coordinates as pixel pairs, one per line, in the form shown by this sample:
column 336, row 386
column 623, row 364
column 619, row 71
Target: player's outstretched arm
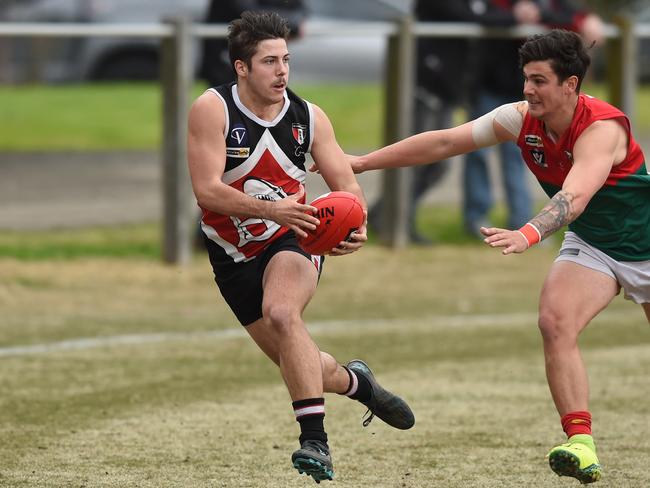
column 206, row 156
column 500, row 125
column 423, row 148
column 337, row 173
column 598, row 148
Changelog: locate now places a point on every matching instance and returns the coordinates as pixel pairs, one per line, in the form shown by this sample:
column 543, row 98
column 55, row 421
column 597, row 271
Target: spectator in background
column 498, row 81
column 445, row 73
column 215, row 64
column 564, row 14
column 442, row 78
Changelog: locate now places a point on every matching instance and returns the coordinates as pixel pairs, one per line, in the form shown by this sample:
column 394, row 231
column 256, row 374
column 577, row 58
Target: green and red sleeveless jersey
column 617, row 218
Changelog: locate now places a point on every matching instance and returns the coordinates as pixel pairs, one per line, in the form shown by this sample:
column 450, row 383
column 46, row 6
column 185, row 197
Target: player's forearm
column 338, row 177
column 560, row 211
column 354, row 188
column 424, row 148
column 408, row 152
column 226, row 200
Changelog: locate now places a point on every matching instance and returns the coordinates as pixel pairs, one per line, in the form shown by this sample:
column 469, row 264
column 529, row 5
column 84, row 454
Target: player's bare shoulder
column 323, row 130
column 606, row 136
column 207, row 109
column 320, row 117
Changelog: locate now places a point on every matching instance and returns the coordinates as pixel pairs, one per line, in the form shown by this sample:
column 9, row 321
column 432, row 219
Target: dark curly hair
column 245, row 33
column 564, row 49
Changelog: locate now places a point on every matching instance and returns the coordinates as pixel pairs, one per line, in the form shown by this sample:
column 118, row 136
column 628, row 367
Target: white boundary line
column 322, row 327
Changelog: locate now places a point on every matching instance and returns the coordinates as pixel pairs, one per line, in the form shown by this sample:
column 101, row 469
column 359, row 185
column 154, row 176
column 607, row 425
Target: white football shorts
column 632, row 276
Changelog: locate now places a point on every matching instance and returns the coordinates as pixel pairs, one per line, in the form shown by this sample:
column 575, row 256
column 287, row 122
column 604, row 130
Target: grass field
column 164, row 390
column 127, row 115
column 142, row 241
column 119, row 371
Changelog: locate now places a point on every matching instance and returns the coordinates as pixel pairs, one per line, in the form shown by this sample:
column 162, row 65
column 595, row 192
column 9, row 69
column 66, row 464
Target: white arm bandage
column 506, row 116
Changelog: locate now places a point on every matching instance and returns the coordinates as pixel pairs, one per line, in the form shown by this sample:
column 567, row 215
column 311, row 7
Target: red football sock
column 577, row 423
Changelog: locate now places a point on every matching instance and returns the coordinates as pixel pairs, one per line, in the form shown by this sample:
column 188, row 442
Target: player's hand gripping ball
column 340, row 214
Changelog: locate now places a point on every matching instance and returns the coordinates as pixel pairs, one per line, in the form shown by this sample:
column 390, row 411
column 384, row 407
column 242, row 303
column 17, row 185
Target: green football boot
column 576, row 460
column 314, row 459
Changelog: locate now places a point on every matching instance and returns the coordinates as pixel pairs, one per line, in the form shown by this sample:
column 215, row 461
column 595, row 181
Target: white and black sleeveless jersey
column 265, row 160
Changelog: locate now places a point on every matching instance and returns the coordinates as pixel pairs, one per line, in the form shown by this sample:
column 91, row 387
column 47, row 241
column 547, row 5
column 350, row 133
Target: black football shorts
column 241, row 283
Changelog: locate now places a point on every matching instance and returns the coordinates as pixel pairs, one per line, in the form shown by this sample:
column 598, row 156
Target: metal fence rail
column 177, row 46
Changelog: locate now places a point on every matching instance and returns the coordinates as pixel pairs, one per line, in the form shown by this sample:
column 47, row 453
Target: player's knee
column 280, row 317
column 555, row 326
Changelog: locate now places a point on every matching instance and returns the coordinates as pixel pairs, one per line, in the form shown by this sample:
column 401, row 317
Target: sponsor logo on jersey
column 239, row 134
column 299, row 132
column 533, row 140
column 539, row 158
column 238, row 152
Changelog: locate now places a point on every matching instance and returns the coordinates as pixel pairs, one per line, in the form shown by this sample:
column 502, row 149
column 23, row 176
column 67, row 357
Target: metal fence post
column 623, row 73
column 176, row 77
column 397, row 183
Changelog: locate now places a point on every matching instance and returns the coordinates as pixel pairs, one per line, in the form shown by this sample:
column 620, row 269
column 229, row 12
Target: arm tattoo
column 555, row 215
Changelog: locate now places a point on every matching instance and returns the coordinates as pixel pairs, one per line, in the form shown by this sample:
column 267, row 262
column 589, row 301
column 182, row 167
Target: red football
column 340, row 214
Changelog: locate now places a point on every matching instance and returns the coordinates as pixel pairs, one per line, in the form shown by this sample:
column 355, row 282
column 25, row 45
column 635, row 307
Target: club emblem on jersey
column 263, row 190
column 299, row 132
column 238, row 134
column 255, row 229
column 533, row 140
column 539, row 158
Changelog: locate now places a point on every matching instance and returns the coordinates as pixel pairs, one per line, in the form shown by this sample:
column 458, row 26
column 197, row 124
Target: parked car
column 90, row 58
column 111, row 58
column 358, row 57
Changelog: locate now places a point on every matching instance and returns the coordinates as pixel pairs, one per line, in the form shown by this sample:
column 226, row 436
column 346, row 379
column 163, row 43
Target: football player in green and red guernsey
column 582, row 151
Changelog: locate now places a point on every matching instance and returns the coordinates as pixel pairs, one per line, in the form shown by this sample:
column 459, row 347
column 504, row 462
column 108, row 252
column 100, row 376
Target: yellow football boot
column 576, row 460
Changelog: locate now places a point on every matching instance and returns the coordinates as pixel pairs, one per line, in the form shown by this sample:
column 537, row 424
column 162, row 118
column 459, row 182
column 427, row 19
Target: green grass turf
column 127, row 115
column 441, row 223
column 137, row 241
column 452, row 328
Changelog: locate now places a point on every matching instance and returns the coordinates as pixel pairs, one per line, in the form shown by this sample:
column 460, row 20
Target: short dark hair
column 564, row 49
column 245, row 33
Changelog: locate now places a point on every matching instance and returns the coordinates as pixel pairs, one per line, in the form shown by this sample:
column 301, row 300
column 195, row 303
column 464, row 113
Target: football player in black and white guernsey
column 246, row 152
